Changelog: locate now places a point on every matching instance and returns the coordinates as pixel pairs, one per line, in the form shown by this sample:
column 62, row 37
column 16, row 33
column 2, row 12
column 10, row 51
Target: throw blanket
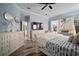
column 59, row 46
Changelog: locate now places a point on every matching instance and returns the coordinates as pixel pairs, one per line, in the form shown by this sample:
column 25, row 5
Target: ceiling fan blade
column 50, row 7
column 46, row 3
column 44, row 6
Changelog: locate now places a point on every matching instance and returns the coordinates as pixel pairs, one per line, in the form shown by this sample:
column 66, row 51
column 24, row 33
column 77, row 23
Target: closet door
column 12, row 42
column 21, row 38
column 2, row 50
column 0, row 45
column 15, row 35
column 6, row 43
column 18, row 39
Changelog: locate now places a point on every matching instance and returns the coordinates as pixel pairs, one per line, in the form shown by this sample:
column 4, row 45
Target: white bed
column 43, row 38
column 53, row 44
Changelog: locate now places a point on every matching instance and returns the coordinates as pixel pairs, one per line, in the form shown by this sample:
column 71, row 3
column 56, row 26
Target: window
column 54, row 25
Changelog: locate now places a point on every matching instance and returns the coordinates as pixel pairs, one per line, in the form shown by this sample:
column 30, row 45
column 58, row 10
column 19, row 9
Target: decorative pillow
column 76, row 39
column 71, row 39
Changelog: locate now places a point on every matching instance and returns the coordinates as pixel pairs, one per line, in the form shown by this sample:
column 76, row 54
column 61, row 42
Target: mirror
column 54, row 25
column 8, row 16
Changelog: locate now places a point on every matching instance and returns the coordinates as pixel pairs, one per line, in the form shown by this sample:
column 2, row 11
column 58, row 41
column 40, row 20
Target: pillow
column 71, row 39
column 76, row 39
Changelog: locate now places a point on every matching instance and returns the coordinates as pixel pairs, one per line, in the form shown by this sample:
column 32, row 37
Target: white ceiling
column 58, row 8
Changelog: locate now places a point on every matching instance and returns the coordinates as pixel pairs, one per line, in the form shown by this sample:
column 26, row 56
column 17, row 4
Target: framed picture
column 54, row 25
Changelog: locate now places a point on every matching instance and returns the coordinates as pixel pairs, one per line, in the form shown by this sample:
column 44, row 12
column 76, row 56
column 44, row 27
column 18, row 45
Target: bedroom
column 39, row 29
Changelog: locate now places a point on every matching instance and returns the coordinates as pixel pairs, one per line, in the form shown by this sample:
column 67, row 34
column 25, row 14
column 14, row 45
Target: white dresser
column 10, row 41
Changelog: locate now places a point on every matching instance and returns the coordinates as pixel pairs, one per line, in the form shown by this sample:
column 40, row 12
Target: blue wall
column 66, row 15
column 22, row 14
column 12, row 9
column 62, row 16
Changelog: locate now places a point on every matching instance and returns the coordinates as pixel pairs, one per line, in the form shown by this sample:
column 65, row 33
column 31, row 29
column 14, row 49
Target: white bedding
column 43, row 38
column 57, row 44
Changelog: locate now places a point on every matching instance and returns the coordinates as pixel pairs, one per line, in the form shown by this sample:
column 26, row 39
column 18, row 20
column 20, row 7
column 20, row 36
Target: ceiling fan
column 47, row 4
